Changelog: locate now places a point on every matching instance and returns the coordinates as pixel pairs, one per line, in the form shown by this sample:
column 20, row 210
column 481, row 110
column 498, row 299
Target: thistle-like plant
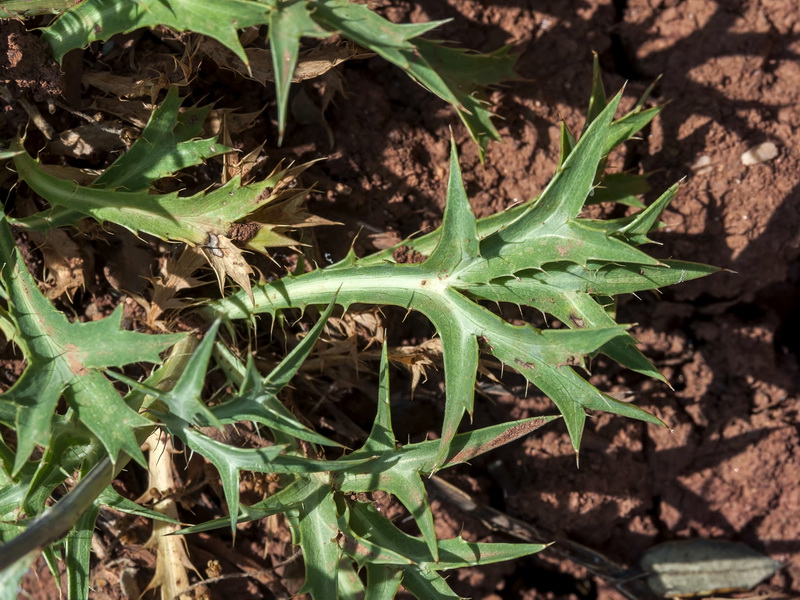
column 124, row 194
column 453, row 74
column 541, row 255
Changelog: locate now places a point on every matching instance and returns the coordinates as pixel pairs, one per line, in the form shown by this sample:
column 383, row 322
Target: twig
column 33, row 112
column 59, row 519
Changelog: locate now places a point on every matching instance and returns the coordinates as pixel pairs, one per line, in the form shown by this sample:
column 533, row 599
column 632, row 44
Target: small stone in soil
column 758, row 154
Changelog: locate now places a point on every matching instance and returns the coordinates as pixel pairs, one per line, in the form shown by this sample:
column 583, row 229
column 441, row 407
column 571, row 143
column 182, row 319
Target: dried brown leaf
column 241, row 167
column 64, row 264
column 172, row 558
column 228, row 261
column 310, row 63
column 135, row 112
column 176, row 275
column 418, row 359
column 277, row 218
column 233, row 164
column 128, row 262
column 126, row 86
column 92, row 139
column 159, row 73
column 235, row 121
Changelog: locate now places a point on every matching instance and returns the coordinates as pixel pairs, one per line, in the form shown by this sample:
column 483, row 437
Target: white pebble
column 758, row 154
column 702, row 164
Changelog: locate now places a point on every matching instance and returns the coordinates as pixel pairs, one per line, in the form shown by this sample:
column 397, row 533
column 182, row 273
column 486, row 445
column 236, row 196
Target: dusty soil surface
column 729, row 465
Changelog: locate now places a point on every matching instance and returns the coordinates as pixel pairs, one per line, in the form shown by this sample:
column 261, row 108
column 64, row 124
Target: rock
column 702, row 164
column 758, row 154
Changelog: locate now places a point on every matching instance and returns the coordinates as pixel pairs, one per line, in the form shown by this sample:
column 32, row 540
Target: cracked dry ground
column 729, row 466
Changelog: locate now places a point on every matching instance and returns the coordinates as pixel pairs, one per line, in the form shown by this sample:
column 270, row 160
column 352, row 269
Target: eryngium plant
column 453, row 74
column 541, row 254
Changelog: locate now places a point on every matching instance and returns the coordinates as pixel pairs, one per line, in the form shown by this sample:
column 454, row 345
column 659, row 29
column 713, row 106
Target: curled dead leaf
column 159, row 73
column 418, row 359
column 91, row 139
column 176, row 275
column 310, row 63
column 228, row 261
column 234, row 120
column 64, row 264
column 135, row 112
column 276, row 218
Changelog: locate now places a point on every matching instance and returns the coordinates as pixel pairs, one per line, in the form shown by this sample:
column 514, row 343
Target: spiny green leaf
column 94, row 20
column 167, row 145
column 257, row 398
column 573, row 395
column 288, row 22
column 67, row 452
column 458, row 245
column 420, row 573
column 398, row 470
column 184, row 399
column 382, row 582
column 183, row 402
column 566, row 193
column 600, row 279
column 111, row 498
column 365, row 552
column 452, row 74
column 626, row 127
column 428, row 585
column 576, row 309
column 11, row 577
column 368, row 29
column 64, row 356
column 317, row 530
column 460, row 355
column 254, row 402
column 289, row 498
column 228, row 461
column 620, row 131
column 597, row 98
column 622, row 188
column 568, row 142
column 459, row 240
column 645, row 221
column 381, row 437
column 348, row 582
column 541, row 255
column 455, row 75
column 455, row 553
column 196, row 220
column 77, row 553
column 406, row 485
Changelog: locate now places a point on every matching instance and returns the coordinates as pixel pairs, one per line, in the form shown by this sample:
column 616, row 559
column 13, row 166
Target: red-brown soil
column 729, row 465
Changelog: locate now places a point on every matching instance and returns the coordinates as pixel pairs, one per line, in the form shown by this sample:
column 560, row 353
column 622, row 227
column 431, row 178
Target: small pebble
column 702, row 164
column 758, row 154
